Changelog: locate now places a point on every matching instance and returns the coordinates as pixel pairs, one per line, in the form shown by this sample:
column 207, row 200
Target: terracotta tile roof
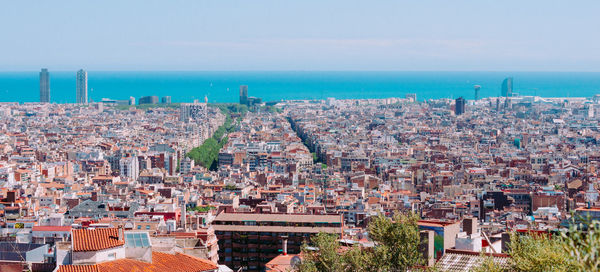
column 281, row 263
column 78, row 268
column 95, row 239
column 51, row 228
column 160, row 262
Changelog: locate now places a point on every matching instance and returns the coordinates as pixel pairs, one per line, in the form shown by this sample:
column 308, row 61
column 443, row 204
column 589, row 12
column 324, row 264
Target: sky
column 442, row 35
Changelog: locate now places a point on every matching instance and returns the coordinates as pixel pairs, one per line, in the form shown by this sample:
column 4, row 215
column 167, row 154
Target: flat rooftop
column 296, row 218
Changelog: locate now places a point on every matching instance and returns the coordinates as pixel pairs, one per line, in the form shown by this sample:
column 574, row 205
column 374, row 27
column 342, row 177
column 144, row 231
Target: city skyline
column 275, row 86
column 340, row 136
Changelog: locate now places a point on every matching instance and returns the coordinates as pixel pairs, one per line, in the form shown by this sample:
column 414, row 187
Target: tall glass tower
column 82, row 93
column 44, row 86
column 507, row 87
column 459, row 107
column 244, row 94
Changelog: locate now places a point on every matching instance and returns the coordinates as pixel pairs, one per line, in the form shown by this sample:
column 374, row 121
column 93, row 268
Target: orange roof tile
column 160, row 262
column 95, row 239
column 78, row 268
column 51, row 228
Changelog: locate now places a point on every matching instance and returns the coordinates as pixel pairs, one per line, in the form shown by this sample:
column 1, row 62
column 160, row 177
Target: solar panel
column 137, row 239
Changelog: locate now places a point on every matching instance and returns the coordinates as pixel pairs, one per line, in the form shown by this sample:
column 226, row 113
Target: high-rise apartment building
column 244, row 94
column 44, row 86
column 249, row 240
column 477, row 88
column 459, row 108
column 507, row 87
column 82, row 88
column 165, row 100
column 192, row 111
column 148, row 100
column 129, row 167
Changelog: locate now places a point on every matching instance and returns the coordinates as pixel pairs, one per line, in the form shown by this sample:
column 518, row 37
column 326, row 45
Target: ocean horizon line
column 302, row 70
column 324, row 99
column 223, row 86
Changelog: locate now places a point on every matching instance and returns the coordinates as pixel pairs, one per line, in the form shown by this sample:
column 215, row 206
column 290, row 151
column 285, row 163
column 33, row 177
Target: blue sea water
column 275, row 86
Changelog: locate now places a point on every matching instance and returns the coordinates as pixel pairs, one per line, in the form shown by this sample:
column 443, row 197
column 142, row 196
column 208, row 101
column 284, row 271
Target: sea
column 223, row 86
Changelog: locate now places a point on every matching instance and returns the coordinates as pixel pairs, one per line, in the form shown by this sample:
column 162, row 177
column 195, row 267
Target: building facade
column 44, row 86
column 148, row 100
column 244, row 94
column 192, row 111
column 249, row 241
column 129, row 167
column 82, row 87
column 460, row 106
column 507, row 86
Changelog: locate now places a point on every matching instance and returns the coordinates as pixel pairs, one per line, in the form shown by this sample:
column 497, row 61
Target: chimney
column 470, row 225
column 285, row 239
column 121, row 235
column 183, row 212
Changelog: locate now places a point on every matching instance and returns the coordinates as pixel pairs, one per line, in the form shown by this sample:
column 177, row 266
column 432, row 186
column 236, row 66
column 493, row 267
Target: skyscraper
column 82, row 93
column 244, row 94
column 507, row 87
column 460, row 106
column 477, row 88
column 44, row 86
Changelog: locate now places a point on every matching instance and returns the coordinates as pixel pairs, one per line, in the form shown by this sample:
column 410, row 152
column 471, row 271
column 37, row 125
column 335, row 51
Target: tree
column 358, row 259
column 582, row 243
column 574, row 250
column 397, row 242
column 325, row 258
column 397, row 248
column 207, row 154
column 538, row 253
column 488, row 265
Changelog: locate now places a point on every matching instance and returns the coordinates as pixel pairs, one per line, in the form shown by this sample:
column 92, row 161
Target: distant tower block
column 459, row 106
column 44, row 86
column 206, row 99
column 81, row 94
column 244, row 94
column 507, row 87
column 477, row 88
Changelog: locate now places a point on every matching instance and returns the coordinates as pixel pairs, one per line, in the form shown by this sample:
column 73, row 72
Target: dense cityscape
column 155, row 186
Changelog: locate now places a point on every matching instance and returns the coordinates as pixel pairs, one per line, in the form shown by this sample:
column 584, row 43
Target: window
column 139, row 226
column 112, row 256
column 137, row 239
column 147, row 227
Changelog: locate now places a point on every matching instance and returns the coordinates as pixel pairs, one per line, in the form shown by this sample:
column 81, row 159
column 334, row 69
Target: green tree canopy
column 397, row 248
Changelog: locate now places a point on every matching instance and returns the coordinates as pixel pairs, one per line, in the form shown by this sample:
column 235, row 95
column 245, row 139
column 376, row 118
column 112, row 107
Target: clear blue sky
column 523, row 35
